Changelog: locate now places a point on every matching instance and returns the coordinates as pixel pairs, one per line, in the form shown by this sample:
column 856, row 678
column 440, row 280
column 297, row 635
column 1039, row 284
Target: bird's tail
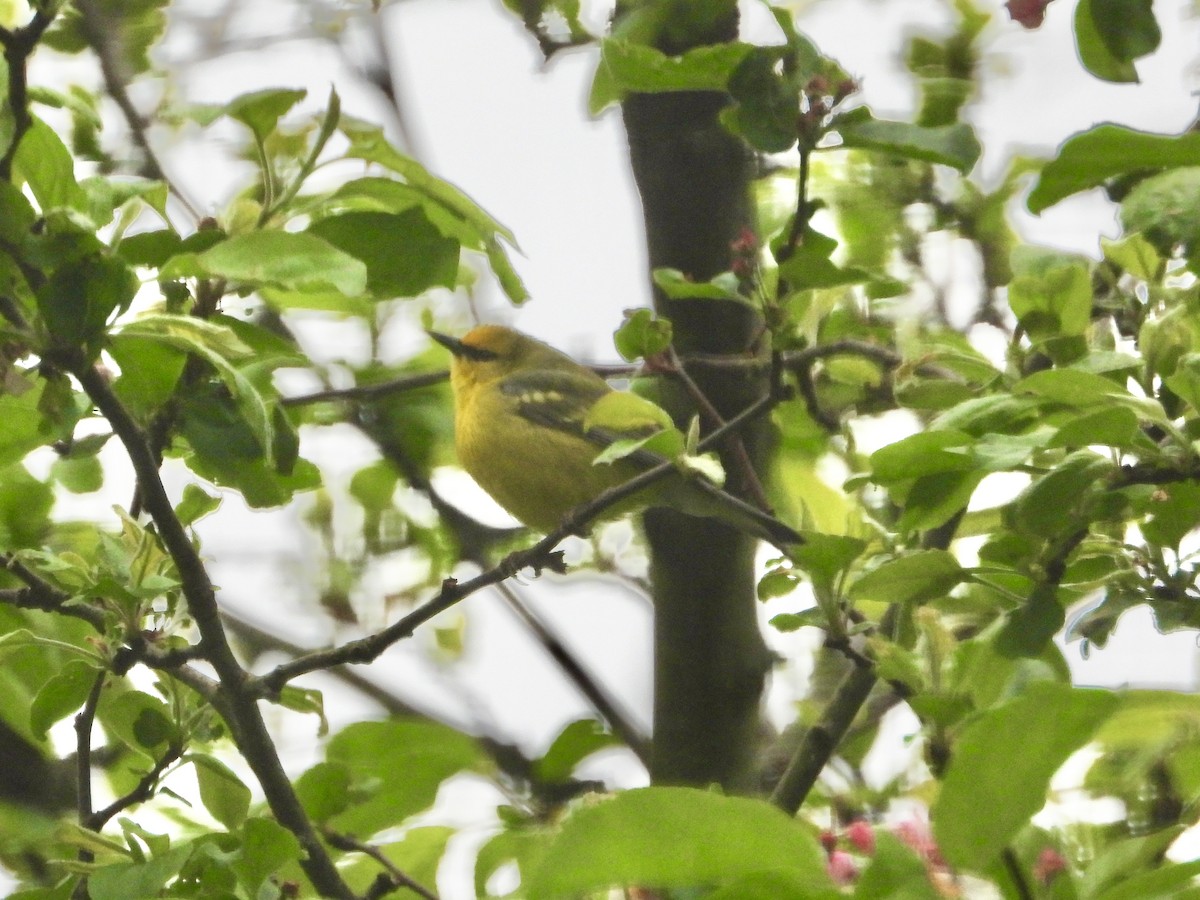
column 699, row 497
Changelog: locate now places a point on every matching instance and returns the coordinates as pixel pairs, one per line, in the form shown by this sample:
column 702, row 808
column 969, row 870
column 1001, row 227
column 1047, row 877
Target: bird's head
column 487, row 352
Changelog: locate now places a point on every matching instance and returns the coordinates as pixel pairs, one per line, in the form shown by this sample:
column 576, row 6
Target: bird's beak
column 454, row 345
column 461, row 349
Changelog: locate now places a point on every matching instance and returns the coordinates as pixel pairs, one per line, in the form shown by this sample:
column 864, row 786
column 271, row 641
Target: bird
column 530, row 423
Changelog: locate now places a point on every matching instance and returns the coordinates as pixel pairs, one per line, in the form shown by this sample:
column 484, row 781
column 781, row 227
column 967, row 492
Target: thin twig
column 99, row 36
column 84, row 721
column 399, row 878
column 366, row 391
column 18, row 46
column 605, row 704
column 735, row 444
column 41, row 594
column 142, row 791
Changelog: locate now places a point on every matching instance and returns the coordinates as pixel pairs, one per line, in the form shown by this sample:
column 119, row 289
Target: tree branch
column 240, row 707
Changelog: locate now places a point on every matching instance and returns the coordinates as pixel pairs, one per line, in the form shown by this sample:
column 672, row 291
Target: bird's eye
column 477, row 354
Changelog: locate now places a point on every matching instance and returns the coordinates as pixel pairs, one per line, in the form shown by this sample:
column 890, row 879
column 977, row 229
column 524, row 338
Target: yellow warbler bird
column 530, row 423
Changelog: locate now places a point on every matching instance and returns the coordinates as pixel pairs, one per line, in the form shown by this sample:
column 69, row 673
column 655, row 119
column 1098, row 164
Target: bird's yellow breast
column 535, row 473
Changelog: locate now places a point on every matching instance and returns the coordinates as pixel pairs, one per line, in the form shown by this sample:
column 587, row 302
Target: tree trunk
column 710, row 658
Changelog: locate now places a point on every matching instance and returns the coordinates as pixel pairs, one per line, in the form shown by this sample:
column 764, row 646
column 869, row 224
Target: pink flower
column 1049, row 863
column 842, row 868
column 861, row 836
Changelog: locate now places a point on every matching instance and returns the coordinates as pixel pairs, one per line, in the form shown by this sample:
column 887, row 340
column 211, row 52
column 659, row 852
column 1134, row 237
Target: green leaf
column 1160, row 207
column 673, row 837
column 951, row 145
column 80, row 296
column 25, row 426
column 25, row 505
column 1133, row 254
column 1090, row 158
column 221, row 791
column 1094, row 52
column 677, row 286
column 142, row 722
column 218, row 345
column 266, row 847
column 47, row 166
column 1002, row 765
column 195, row 505
column 577, row 741
column 324, row 790
column 61, row 696
column 150, row 370
column 131, row 28
column 775, row 885
column 923, row 453
column 404, row 253
column 1054, row 303
column 1110, row 34
column 396, row 768
column 1176, row 510
column 826, row 556
column 913, row 578
column 809, row 265
column 418, row 855
column 1070, row 387
column 261, row 111
column 301, row 262
column 1056, row 504
column 642, row 334
column 640, row 68
column 125, row 880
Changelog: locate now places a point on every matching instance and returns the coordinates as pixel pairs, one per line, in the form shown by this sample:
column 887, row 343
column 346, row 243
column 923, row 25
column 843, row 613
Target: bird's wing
column 563, row 400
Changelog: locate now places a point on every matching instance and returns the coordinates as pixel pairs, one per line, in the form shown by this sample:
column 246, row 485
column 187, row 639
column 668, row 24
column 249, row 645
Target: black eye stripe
column 478, row 354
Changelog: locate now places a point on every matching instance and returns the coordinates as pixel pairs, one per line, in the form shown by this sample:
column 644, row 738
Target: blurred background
column 464, row 89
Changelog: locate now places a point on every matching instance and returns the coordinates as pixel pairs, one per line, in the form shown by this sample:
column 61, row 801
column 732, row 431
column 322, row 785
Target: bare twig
column 18, row 46
column 99, row 37
column 397, row 880
column 367, row 391
column 41, row 594
column 141, row 792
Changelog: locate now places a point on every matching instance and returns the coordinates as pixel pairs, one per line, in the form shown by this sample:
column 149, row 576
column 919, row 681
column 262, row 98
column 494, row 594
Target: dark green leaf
column 404, row 253
column 1003, row 763
column 1092, row 157
column 662, row 837
column 576, row 742
column 150, row 370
